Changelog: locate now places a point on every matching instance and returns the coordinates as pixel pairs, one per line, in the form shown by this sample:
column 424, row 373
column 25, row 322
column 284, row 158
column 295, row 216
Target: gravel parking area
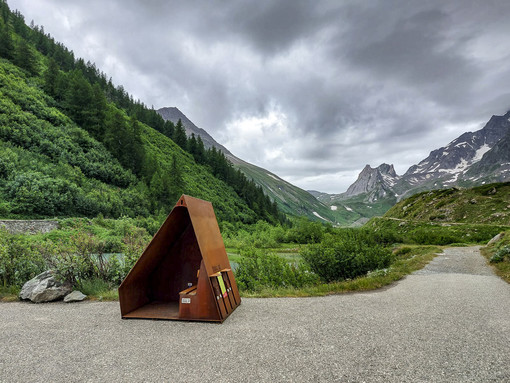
column 447, row 323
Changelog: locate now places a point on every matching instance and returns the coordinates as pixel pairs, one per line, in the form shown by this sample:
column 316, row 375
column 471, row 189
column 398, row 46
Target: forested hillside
column 73, row 144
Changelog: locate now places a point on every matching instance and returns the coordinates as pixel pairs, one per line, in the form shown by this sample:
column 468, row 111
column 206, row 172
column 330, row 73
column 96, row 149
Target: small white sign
column 186, row 300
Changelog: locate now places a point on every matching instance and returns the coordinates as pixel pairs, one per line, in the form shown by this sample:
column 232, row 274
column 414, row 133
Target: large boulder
column 44, row 288
column 497, row 238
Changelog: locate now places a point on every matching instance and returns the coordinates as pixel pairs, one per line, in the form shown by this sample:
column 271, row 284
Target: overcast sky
column 310, row 90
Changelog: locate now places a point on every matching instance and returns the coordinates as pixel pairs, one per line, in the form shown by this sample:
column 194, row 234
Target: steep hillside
column 494, row 165
column 51, row 167
column 73, row 144
column 487, row 204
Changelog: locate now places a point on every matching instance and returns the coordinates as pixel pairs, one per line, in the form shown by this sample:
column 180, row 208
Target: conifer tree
column 168, row 129
column 79, row 100
column 179, row 136
column 50, row 78
column 191, row 145
column 6, row 43
column 176, row 179
column 200, row 151
column 25, row 58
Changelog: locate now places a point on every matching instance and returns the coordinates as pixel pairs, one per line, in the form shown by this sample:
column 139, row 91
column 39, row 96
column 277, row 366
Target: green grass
column 9, row 294
column 97, row 289
column 417, row 258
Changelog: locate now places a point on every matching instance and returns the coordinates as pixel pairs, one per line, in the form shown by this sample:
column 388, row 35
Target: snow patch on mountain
column 480, row 152
column 319, row 216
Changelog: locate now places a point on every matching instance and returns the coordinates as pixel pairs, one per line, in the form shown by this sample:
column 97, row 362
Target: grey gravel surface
column 447, row 323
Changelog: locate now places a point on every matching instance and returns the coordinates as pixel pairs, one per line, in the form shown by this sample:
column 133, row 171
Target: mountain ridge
column 471, row 159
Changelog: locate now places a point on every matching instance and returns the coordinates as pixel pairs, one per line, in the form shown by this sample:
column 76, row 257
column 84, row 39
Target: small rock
column 44, row 288
column 75, row 296
column 495, row 239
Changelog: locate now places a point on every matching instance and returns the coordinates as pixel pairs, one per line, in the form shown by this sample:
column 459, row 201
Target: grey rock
column 75, row 296
column 497, row 238
column 44, row 288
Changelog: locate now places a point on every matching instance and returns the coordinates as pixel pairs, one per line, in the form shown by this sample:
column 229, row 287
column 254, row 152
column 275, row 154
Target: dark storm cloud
column 312, row 91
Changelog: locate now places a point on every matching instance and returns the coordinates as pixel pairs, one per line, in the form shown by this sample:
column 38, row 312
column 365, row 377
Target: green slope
column 51, row 167
column 487, row 204
column 291, row 199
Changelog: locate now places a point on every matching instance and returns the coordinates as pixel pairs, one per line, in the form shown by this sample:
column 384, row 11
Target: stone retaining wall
column 18, row 226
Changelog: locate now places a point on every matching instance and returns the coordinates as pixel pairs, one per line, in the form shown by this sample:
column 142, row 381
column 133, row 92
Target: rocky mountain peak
column 387, row 169
column 373, row 181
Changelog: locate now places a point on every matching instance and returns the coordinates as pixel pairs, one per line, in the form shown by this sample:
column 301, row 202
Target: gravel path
column 447, row 323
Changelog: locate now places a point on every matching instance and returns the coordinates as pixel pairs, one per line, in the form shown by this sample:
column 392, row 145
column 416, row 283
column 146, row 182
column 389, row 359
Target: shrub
column 306, row 231
column 499, row 256
column 337, row 258
column 19, row 260
column 258, row 269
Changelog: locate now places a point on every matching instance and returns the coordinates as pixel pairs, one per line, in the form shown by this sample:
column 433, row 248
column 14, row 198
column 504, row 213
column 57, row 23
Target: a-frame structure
column 184, row 273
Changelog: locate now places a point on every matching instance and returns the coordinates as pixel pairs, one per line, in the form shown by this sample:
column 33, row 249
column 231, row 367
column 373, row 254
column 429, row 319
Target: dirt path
column 447, row 323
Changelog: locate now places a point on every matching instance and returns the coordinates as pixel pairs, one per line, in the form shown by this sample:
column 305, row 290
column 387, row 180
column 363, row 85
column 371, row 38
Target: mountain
column 374, row 183
column 449, row 165
column 174, row 114
column 290, row 199
column 471, row 159
column 495, row 164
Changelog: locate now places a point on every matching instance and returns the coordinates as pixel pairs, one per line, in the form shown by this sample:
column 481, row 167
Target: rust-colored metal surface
column 184, row 273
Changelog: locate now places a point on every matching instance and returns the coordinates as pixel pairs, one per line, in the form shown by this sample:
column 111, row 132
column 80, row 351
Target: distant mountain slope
column 488, row 204
column 471, row 159
column 495, row 164
column 290, row 199
column 449, row 165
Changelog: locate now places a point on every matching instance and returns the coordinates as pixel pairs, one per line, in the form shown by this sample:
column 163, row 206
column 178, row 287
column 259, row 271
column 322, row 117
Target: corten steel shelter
column 184, row 273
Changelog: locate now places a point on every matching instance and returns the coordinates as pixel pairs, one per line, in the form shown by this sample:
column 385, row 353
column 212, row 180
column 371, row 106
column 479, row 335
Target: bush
column 343, row 257
column 306, row 231
column 499, row 256
column 20, row 261
column 433, row 236
column 258, row 269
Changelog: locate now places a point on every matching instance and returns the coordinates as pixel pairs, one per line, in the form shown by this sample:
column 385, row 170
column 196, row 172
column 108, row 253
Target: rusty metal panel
column 176, row 277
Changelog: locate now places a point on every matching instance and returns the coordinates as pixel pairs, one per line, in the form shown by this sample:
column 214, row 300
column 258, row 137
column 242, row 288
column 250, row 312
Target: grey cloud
column 358, row 82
